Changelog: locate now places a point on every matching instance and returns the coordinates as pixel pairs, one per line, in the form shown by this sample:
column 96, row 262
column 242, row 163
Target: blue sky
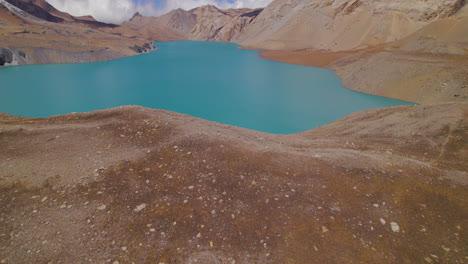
column 117, row 11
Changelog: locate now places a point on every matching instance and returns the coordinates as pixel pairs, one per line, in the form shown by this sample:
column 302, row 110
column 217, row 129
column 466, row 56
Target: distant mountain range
column 298, row 24
column 283, row 25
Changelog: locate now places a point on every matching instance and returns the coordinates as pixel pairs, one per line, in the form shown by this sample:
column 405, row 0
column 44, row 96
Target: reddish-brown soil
column 307, row 57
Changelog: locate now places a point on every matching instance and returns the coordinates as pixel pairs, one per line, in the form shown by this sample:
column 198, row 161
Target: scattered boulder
column 137, row 49
column 6, row 56
column 395, row 227
column 140, row 207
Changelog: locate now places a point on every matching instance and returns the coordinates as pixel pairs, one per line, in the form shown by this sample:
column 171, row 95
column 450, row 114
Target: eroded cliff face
column 342, row 24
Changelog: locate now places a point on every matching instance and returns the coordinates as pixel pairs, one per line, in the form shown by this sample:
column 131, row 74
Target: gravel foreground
column 136, row 185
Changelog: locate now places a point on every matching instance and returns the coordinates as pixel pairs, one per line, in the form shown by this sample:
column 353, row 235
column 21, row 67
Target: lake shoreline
column 320, row 59
column 246, row 83
column 378, row 71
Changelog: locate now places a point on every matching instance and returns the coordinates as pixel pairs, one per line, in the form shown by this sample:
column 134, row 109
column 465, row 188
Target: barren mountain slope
column 43, row 10
column 214, row 24
column 47, row 38
column 150, row 186
column 341, row 24
column 429, row 66
column 52, row 10
column 206, row 23
column 445, row 36
column 180, row 21
column 7, row 17
column 157, row 28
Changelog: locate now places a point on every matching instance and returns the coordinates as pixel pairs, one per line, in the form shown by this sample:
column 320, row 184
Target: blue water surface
column 210, row 80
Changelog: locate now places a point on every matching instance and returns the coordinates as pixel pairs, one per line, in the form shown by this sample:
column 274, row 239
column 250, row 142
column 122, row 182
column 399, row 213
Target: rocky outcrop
column 6, row 56
column 147, row 47
column 443, row 10
column 12, row 56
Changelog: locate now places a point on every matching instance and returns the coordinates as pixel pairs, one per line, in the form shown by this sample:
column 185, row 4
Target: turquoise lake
column 211, row 80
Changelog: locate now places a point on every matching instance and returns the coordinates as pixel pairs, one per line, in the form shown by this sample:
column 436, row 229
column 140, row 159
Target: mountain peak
column 135, row 16
column 207, row 8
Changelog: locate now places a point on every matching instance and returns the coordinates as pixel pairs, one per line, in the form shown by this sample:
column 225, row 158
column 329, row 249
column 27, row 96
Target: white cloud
column 117, row 11
column 113, row 11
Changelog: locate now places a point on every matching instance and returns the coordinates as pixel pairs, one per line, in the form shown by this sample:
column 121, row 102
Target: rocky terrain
column 34, row 32
column 135, row 185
